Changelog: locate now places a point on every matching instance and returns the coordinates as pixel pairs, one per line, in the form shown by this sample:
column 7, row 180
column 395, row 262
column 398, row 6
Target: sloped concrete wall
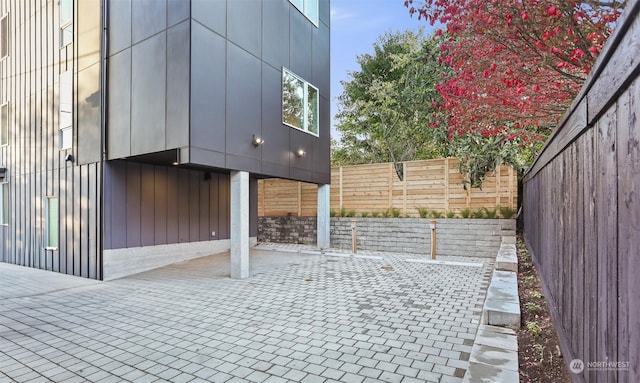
column 456, row 236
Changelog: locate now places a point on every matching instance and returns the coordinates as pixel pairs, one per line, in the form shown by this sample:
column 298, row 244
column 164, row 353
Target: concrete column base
column 239, row 225
column 324, row 216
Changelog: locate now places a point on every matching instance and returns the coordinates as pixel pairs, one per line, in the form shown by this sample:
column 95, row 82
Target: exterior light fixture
column 257, row 141
column 176, row 162
column 69, row 158
column 301, row 153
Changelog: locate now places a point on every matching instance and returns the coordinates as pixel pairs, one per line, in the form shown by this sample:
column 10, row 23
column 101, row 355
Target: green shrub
column 477, row 214
column 466, row 213
column 436, row 214
column 451, row 214
column 424, row 213
column 375, row 214
column 364, row 214
column 506, row 212
column 386, row 214
column 490, row 213
column 395, row 213
column 349, row 213
column 333, row 213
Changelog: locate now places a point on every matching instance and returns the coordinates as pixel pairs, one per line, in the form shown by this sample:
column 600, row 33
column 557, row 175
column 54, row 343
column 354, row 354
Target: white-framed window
column 66, row 22
column 299, row 103
column 4, row 36
column 309, row 8
column 52, row 220
column 4, row 204
column 66, row 111
column 4, row 124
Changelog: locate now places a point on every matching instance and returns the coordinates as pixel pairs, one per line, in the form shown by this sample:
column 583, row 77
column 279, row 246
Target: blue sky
column 355, row 27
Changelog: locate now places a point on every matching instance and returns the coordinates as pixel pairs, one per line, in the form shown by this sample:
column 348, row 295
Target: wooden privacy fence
column 432, row 185
column 582, row 215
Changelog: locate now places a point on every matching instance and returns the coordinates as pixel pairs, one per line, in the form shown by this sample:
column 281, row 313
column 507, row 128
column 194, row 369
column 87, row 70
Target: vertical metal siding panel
column 160, row 205
column 92, row 220
column 75, row 213
column 107, row 209
column 82, row 220
column 183, row 206
column 224, row 217
column 147, row 205
column 173, row 200
column 194, row 198
column 119, row 224
column 214, row 201
column 133, row 205
column 65, row 195
column 203, row 209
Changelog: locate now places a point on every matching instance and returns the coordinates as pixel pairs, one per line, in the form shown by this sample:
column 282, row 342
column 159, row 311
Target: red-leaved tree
column 516, row 64
column 519, row 61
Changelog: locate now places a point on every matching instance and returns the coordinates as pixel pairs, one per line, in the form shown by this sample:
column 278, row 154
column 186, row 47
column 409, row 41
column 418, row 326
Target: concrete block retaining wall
column 456, row 236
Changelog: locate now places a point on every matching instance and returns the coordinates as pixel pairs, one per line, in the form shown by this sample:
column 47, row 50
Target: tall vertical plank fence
column 582, row 215
column 432, row 185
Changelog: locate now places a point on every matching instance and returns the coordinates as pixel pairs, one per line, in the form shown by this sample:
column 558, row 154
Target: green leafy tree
column 389, row 109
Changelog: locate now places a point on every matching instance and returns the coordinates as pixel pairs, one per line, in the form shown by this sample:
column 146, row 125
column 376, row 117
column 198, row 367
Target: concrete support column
column 324, row 216
column 239, row 225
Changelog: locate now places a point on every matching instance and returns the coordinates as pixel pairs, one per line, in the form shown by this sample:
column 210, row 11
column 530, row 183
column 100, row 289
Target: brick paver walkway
column 299, row 318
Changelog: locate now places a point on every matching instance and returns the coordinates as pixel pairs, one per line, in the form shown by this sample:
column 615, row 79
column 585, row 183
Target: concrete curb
column 494, row 356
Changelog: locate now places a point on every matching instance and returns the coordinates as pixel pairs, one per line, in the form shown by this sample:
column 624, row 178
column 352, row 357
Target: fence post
column 354, row 237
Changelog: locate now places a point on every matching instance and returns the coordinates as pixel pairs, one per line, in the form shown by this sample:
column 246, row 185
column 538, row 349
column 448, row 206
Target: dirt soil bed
column 539, row 353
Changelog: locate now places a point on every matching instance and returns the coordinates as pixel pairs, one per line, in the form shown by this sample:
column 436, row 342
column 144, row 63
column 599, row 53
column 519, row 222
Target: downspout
column 104, row 21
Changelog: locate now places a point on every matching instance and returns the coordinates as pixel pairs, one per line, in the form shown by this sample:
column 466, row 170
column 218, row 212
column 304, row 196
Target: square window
column 299, row 103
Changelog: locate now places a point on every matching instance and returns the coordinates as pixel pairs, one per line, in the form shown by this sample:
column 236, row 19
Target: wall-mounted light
column 257, row 141
column 176, row 162
column 300, row 153
column 69, row 158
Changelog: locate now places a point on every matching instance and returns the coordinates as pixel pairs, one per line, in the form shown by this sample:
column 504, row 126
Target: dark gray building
column 133, row 132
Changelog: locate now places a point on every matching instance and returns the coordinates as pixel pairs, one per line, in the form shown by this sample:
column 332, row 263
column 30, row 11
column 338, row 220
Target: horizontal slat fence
column 431, row 184
column 582, row 215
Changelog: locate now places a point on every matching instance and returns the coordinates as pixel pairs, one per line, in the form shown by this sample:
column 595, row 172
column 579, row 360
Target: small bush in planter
column 436, row 214
column 490, row 213
column 424, row 213
column 466, row 213
column 506, row 212
column 478, row 214
column 451, row 214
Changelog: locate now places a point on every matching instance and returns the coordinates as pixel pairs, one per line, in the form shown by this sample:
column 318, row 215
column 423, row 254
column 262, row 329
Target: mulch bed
column 539, row 353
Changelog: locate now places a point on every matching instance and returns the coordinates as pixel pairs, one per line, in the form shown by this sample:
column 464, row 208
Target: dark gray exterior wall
column 204, row 76
column 36, row 168
column 149, row 205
